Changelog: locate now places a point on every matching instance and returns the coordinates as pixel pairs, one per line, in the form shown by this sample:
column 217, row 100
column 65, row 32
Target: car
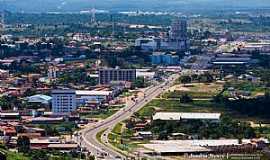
column 117, row 157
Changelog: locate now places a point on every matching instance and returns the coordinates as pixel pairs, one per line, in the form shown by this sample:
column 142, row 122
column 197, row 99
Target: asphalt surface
column 88, row 135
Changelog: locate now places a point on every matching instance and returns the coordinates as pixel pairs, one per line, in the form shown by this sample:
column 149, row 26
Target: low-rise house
column 143, row 135
column 7, row 130
column 47, row 120
column 66, row 147
column 10, row 116
column 43, row 142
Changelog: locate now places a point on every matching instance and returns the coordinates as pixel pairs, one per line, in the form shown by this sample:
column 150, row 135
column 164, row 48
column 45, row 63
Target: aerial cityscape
column 134, row 80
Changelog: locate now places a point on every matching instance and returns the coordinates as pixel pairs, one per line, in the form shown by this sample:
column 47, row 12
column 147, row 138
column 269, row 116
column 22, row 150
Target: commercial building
column 178, row 39
column 158, row 58
column 63, row 101
column 171, row 147
column 178, row 116
column 82, row 97
column 109, row 75
column 148, row 44
column 231, row 60
column 43, row 99
column 53, row 72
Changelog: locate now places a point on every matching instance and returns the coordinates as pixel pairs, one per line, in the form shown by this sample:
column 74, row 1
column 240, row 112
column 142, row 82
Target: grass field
column 205, row 106
column 103, row 114
column 255, row 89
column 99, row 134
column 118, row 128
column 195, row 90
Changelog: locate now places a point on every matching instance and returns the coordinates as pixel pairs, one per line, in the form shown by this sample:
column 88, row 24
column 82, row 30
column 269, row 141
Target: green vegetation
column 118, row 128
column 58, row 129
column 195, row 90
column 16, row 156
column 253, row 88
column 121, row 138
column 226, row 128
column 38, row 155
column 23, row 144
column 99, row 134
column 104, row 113
column 176, row 106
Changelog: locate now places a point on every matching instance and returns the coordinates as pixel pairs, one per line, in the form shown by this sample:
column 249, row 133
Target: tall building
column 2, row 21
column 52, row 72
column 109, row 75
column 63, row 101
column 161, row 58
column 93, row 16
column 178, row 39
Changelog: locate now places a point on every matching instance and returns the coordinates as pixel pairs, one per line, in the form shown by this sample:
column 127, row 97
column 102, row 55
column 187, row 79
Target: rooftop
column 182, row 115
column 93, row 93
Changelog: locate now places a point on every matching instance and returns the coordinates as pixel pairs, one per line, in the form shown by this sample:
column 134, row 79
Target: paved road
column 88, row 135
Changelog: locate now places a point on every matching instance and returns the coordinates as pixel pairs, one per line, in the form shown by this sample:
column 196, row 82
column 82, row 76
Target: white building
column 52, row 72
column 148, row 44
column 43, row 99
column 63, row 101
column 177, row 116
column 99, row 96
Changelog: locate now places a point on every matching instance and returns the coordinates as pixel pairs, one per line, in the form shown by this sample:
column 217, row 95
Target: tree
column 39, row 155
column 185, row 98
column 92, row 157
column 23, row 144
column 206, row 78
column 139, row 83
column 185, row 79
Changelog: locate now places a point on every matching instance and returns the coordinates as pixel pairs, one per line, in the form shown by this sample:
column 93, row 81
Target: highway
column 88, row 135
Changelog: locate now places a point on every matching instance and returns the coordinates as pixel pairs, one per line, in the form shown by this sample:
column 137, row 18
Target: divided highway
column 88, row 135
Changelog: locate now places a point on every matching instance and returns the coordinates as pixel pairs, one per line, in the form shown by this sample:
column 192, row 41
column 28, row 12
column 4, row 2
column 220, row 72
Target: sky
column 129, row 5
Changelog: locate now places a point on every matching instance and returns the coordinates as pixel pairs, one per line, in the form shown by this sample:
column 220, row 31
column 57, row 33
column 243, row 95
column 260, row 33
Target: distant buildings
column 63, row 101
column 163, row 58
column 177, row 40
column 107, row 76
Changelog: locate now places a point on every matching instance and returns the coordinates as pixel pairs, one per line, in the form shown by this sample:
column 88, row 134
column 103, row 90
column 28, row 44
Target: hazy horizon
column 130, row 5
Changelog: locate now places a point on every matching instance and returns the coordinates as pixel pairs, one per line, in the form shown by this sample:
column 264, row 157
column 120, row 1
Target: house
column 66, row 147
column 10, row 116
column 46, row 120
column 144, row 135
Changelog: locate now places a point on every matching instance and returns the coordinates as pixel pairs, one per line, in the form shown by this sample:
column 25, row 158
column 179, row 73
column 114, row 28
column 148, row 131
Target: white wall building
column 177, row 116
column 99, row 96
